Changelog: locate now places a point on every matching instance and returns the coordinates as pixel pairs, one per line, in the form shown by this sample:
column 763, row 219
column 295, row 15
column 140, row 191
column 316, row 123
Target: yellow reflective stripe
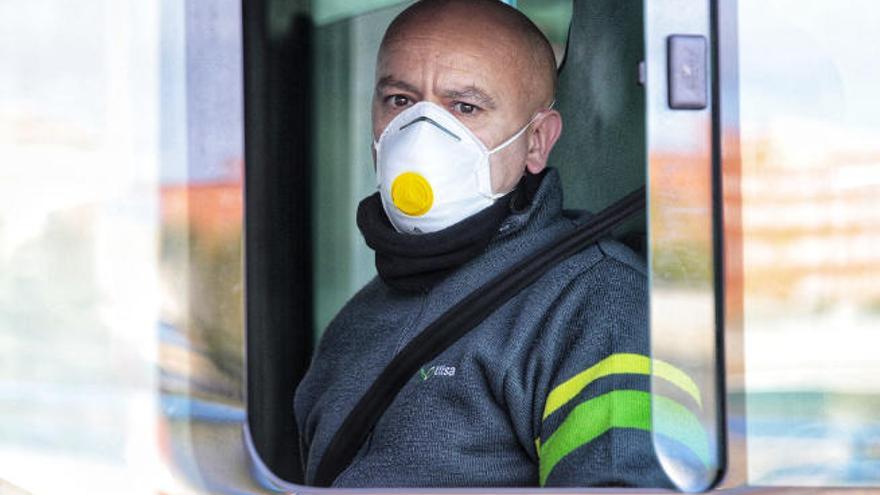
column 678, row 378
column 619, row 364
column 622, row 409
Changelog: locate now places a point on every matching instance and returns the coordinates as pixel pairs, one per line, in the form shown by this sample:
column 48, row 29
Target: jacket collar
column 542, row 205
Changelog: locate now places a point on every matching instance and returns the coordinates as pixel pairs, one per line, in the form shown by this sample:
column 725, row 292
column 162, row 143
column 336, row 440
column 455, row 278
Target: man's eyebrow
column 391, row 82
column 472, row 93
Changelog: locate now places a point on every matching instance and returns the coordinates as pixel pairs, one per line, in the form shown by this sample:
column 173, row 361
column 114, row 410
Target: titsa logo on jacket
column 439, row 370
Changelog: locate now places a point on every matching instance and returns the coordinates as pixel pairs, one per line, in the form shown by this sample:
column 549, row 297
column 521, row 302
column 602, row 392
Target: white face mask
column 432, row 171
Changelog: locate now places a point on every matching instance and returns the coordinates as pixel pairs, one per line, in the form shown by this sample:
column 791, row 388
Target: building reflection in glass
column 810, row 197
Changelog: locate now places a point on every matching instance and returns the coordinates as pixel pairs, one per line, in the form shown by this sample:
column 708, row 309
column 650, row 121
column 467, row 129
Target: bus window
column 614, row 126
column 121, row 294
column 343, row 53
column 809, row 195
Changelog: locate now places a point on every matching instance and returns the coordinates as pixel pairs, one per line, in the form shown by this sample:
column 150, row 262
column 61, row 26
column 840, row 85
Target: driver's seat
column 601, row 155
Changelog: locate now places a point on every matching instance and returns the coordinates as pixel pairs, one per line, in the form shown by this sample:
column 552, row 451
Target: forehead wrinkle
column 451, row 71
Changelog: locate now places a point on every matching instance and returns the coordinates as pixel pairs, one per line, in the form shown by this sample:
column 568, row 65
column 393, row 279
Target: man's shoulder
column 598, row 293
column 367, row 304
column 363, row 298
column 606, row 261
column 606, row 251
column 618, row 252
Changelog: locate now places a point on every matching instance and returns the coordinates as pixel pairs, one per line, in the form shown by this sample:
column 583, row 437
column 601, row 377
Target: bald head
column 506, row 33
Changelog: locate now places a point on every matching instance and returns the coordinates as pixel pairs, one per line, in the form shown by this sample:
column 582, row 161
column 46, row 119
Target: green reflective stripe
column 619, row 364
column 617, row 409
column 621, row 409
column 677, row 422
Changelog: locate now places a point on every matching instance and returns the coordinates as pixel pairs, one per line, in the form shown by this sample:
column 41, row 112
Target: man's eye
column 465, row 108
column 399, row 101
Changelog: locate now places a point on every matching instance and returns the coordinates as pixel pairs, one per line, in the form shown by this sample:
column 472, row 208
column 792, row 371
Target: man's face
column 474, row 77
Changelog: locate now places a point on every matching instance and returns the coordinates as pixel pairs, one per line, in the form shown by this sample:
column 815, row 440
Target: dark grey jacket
column 551, row 389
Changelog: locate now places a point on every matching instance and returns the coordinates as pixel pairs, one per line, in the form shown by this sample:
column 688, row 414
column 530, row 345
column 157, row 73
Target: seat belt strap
column 452, row 325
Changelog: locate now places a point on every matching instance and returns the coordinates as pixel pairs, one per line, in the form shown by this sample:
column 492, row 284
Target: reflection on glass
column 201, row 345
column 120, row 247
column 810, row 120
column 78, row 235
column 683, row 333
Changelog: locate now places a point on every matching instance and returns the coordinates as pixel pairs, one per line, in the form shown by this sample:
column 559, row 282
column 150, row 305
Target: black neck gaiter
column 414, row 263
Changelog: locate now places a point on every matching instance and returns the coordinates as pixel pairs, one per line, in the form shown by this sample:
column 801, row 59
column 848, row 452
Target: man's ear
column 545, row 133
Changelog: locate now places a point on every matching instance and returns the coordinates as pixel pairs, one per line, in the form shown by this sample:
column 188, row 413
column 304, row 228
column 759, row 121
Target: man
column 542, row 392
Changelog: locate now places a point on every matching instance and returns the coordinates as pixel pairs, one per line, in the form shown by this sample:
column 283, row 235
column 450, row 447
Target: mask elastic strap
column 519, row 132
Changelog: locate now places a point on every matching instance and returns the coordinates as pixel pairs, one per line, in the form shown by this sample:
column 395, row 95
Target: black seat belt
column 452, row 325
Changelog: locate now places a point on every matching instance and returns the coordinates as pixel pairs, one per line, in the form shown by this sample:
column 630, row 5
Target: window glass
column 79, row 229
column 810, row 185
column 120, row 247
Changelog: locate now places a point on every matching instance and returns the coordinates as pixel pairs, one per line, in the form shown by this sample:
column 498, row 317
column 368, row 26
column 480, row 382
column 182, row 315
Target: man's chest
column 458, row 406
column 446, row 426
